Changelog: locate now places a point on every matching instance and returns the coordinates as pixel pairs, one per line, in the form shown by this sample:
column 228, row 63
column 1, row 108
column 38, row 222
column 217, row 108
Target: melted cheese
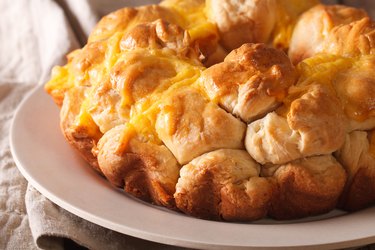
column 84, row 121
column 357, row 85
column 127, row 134
column 350, row 79
column 192, row 17
column 146, row 77
column 94, row 64
column 322, row 68
column 113, row 50
column 145, row 110
column 58, row 84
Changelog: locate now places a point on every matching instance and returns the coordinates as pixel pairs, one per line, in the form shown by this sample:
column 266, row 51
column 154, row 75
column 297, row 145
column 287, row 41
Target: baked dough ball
column 358, row 158
column 256, row 21
column 83, row 64
column 188, row 15
column 251, row 81
column 144, row 169
column 307, row 129
column 351, row 40
column 70, row 93
column 190, row 125
column 356, row 89
column 351, row 79
column 241, row 22
column 223, row 184
column 125, row 19
column 319, row 22
column 82, row 136
column 305, row 187
column 160, row 35
column 153, row 57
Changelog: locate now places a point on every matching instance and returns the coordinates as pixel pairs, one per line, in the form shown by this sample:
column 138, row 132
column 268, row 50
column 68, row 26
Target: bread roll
column 153, row 56
column 305, row 187
column 82, row 136
column 242, row 22
column 190, row 16
column 257, row 21
column 223, row 184
column 351, row 40
column 358, row 158
column 315, row 25
column 124, row 19
column 190, row 125
column 144, row 169
column 307, row 130
column 356, row 89
column 160, row 35
column 251, row 81
column 351, row 79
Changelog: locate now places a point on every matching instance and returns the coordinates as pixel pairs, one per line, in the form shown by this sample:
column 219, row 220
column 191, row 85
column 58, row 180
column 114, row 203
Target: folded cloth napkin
column 35, row 36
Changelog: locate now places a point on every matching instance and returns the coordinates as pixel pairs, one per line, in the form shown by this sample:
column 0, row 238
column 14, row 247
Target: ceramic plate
column 53, row 167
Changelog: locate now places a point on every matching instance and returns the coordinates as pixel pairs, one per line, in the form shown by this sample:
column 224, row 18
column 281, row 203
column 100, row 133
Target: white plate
column 52, row 167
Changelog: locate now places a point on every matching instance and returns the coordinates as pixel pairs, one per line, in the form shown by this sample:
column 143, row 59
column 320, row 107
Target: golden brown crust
column 126, row 18
column 190, row 125
column 223, row 185
column 307, row 130
column 350, row 79
column 144, row 169
column 78, row 136
column 157, row 35
column 351, row 40
column 322, row 129
column 306, row 187
column 358, row 160
column 257, row 21
column 361, row 193
column 319, row 22
column 356, row 89
column 242, row 22
column 251, row 81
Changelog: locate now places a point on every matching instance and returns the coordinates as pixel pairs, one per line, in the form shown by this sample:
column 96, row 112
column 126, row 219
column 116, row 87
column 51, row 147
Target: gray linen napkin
column 50, row 224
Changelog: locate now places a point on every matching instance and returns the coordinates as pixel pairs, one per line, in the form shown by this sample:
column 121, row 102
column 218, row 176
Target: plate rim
column 150, row 235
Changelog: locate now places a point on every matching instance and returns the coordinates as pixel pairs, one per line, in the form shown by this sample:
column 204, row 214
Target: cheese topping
column 192, row 17
column 350, row 79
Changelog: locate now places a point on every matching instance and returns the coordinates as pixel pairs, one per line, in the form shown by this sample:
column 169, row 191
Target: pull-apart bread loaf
column 196, row 106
